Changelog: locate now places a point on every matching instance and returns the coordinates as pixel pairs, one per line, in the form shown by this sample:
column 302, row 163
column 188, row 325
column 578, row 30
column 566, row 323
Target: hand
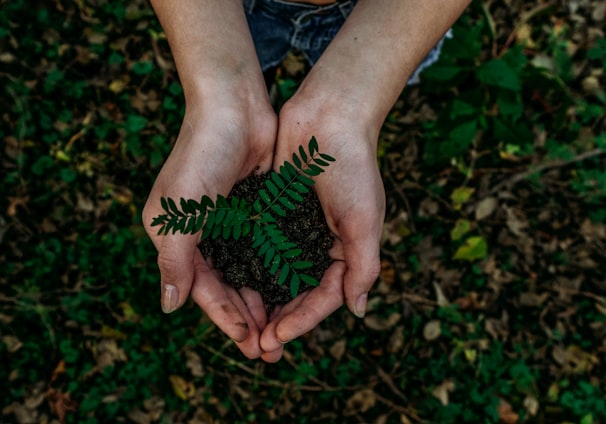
column 353, row 200
column 216, row 147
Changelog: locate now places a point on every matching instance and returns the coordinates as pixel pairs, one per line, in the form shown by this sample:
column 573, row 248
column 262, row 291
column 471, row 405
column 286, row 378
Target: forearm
column 376, row 51
column 212, row 47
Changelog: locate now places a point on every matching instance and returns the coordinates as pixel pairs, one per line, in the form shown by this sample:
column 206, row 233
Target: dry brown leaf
column 531, row 404
column 13, row 344
column 375, row 322
column 60, row 403
column 361, row 401
column 506, row 413
column 194, row 363
column 182, row 388
column 442, row 391
column 485, row 208
column 432, row 330
column 337, row 350
column 396, row 341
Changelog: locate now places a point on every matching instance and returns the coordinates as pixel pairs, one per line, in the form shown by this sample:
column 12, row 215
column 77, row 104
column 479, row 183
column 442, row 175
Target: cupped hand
column 216, row 147
column 353, row 200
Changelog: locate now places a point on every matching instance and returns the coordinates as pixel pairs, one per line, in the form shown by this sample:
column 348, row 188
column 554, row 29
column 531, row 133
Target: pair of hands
column 220, row 144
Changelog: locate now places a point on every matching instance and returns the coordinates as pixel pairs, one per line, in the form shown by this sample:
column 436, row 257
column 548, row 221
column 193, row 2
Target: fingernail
column 170, row 298
column 360, row 306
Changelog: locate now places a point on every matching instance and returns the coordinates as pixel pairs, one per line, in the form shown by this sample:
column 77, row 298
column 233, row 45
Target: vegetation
column 233, row 218
column 491, row 304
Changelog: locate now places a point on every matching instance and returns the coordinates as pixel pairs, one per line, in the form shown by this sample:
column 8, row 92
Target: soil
column 242, row 267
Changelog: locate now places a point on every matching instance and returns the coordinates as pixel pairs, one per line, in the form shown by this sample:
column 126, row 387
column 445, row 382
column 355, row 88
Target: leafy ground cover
column 491, row 305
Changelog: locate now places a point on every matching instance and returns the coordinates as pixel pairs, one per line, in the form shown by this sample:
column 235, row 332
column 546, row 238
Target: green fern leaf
column 263, row 195
column 278, row 238
column 283, row 274
column 210, row 218
column 221, row 202
column 287, row 203
column 327, row 158
column 294, row 195
column 185, row 207
column 286, row 245
column 269, row 256
column 258, row 236
column 293, row 253
column 297, row 161
column 246, row 228
column 275, row 265
column 313, row 170
column 312, row 146
column 320, row 162
column 273, row 189
column 295, row 283
column 198, row 225
column 277, row 179
column 159, row 220
column 305, row 180
column 194, row 206
column 219, row 216
column 301, row 188
column 278, row 209
column 226, row 233
column 308, row 279
column 267, row 218
column 264, row 248
column 237, row 231
column 302, row 265
column 164, row 205
column 191, row 222
column 291, row 170
column 207, row 231
column 173, row 207
column 216, row 232
column 206, row 203
column 302, row 154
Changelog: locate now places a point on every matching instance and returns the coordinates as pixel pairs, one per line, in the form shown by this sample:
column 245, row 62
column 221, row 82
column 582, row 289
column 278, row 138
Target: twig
column 557, row 163
column 267, row 381
column 524, row 19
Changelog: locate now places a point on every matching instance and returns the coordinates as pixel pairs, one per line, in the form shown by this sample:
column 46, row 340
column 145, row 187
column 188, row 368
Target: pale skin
column 230, row 130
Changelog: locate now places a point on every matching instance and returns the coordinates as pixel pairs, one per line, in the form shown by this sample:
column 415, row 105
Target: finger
column 306, row 311
column 216, row 301
column 254, row 303
column 273, row 357
column 363, row 267
column 176, row 262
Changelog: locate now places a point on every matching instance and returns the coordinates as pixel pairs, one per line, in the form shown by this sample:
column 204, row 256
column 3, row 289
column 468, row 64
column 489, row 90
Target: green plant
column 234, row 218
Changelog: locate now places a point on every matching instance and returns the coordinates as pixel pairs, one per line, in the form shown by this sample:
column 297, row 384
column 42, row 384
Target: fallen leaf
column 474, row 248
column 442, row 391
column 461, row 195
column 337, row 350
column 432, row 330
column 506, row 413
column 182, row 388
column 361, row 401
column 462, row 227
column 485, row 208
column 377, row 323
column 194, row 363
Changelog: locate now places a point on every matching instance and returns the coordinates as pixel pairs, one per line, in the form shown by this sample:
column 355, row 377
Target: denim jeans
column 278, row 26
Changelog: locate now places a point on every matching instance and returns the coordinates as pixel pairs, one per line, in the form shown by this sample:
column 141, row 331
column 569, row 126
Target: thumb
column 363, row 268
column 176, row 263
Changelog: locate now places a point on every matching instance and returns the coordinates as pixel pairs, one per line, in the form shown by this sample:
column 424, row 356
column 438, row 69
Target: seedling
column 235, row 218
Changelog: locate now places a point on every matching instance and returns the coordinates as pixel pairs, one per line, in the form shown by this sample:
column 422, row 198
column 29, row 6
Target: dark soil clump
column 242, row 267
